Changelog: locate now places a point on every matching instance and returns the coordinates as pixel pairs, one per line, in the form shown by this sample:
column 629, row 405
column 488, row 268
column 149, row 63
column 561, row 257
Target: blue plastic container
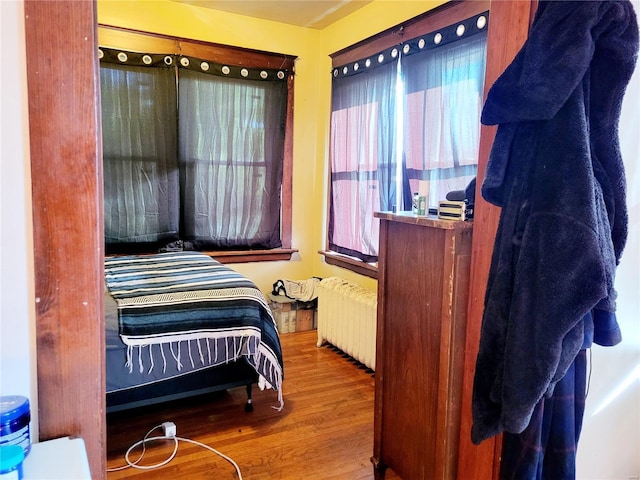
column 11, row 457
column 15, row 416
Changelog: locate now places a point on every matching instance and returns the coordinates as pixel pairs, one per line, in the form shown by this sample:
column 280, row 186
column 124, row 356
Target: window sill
column 247, row 256
column 354, row 264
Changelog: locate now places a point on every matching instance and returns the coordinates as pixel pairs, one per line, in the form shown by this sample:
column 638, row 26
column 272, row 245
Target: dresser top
column 424, row 220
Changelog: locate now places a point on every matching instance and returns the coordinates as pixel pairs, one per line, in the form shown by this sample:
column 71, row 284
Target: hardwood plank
column 324, row 432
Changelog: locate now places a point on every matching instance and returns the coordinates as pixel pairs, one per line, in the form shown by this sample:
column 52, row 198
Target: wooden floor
column 324, row 432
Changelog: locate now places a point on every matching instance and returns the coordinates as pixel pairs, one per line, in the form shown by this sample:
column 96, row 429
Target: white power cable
column 143, row 442
column 147, row 439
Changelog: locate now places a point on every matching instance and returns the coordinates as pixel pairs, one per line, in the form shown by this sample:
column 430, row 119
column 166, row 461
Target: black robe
column 555, row 169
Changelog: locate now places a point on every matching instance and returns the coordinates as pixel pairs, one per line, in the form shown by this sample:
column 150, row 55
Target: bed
column 180, row 324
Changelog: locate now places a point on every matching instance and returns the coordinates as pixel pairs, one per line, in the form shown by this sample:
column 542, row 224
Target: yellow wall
column 311, row 102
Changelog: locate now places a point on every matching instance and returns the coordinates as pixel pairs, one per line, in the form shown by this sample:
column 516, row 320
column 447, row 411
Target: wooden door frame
column 66, row 171
column 483, row 461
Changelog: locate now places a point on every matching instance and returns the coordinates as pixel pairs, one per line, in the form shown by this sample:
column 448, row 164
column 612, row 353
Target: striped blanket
column 188, row 300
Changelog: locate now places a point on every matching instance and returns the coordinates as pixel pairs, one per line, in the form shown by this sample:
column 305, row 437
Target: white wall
column 17, row 312
column 610, row 444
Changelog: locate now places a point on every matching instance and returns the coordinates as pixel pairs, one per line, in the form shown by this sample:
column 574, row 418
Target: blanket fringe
column 234, row 348
column 230, row 348
column 164, row 360
column 190, row 356
column 176, row 357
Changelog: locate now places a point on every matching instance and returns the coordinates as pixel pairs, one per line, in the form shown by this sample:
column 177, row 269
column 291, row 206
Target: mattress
column 175, row 315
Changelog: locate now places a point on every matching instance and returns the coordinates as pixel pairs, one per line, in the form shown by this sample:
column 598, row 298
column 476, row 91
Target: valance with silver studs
column 444, row 36
column 121, row 57
column 381, row 58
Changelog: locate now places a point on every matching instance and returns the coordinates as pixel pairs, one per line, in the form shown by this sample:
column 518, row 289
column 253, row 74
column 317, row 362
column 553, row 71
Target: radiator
column 347, row 319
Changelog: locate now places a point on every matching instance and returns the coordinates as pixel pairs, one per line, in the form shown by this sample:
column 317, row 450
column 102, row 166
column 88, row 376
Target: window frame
column 139, row 41
column 439, row 17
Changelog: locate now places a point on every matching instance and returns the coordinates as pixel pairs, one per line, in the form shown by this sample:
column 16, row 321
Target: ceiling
column 316, row 14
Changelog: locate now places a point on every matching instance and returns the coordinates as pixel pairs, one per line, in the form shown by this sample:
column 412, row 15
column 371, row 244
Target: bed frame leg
column 249, row 406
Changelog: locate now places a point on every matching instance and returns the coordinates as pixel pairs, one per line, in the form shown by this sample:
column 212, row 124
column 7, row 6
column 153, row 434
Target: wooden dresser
column 423, row 284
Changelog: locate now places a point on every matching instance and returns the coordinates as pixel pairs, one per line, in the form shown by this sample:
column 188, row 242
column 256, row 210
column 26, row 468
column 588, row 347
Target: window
column 231, row 144
column 140, row 163
column 195, row 152
column 401, row 116
column 363, row 151
column 443, row 91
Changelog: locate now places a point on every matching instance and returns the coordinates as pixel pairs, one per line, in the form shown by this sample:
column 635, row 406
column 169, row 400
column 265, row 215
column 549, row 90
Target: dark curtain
column 139, row 125
column 443, row 92
column 405, row 115
column 193, row 151
column 231, row 145
column 363, row 155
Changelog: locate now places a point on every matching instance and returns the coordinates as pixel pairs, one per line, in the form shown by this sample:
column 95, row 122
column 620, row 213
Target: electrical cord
column 147, row 438
column 143, row 443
